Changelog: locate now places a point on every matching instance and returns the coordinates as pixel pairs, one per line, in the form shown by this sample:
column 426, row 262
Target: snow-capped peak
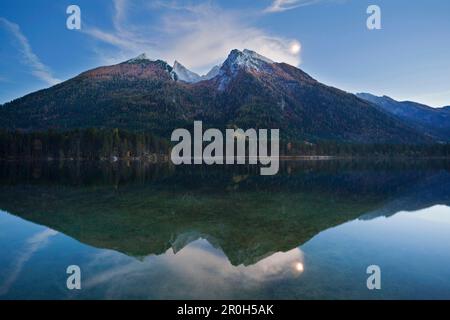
column 246, row 59
column 252, row 55
column 242, row 60
column 185, row 74
column 212, row 73
column 140, row 58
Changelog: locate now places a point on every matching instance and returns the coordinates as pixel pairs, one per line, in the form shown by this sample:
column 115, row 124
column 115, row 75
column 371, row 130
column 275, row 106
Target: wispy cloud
column 33, row 245
column 198, row 36
column 38, row 69
column 195, row 262
column 283, row 5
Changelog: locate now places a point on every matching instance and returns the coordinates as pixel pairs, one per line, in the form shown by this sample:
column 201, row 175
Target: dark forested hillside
column 249, row 91
column 433, row 121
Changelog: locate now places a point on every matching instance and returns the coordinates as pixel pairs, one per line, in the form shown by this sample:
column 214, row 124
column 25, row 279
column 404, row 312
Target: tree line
column 87, row 144
column 340, row 149
column 97, row 144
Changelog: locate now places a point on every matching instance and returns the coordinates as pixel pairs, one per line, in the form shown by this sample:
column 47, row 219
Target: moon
column 299, row 267
column 295, row 47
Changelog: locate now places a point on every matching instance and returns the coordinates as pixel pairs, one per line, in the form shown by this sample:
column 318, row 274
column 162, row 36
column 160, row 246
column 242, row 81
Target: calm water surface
column 158, row 232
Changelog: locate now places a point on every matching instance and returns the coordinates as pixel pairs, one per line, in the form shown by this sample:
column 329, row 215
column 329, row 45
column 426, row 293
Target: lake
column 147, row 231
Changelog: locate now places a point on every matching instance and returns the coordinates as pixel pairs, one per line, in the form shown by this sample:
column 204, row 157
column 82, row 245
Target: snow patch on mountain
column 212, row 73
column 246, row 59
column 184, row 74
column 140, row 58
column 242, row 60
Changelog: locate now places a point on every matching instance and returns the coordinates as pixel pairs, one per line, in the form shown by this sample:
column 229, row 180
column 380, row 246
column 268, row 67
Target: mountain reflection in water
column 157, row 231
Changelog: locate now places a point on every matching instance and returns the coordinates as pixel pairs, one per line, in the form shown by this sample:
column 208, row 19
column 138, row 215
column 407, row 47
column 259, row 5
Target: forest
column 382, row 150
column 98, row 144
column 86, row 144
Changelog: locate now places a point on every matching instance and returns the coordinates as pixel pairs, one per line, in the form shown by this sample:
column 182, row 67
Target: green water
column 142, row 231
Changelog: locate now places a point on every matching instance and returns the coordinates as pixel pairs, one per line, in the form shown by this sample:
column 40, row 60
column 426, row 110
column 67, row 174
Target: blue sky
column 408, row 59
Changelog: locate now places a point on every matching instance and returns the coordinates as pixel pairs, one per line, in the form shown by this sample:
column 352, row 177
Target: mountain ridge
column 432, row 121
column 184, row 74
column 248, row 91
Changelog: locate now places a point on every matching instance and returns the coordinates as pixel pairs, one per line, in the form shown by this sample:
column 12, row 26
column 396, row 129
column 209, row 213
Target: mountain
column 248, row 91
column 212, row 73
column 187, row 75
column 184, row 74
column 431, row 121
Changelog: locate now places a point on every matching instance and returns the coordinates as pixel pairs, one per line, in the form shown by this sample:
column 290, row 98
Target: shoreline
column 166, row 158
